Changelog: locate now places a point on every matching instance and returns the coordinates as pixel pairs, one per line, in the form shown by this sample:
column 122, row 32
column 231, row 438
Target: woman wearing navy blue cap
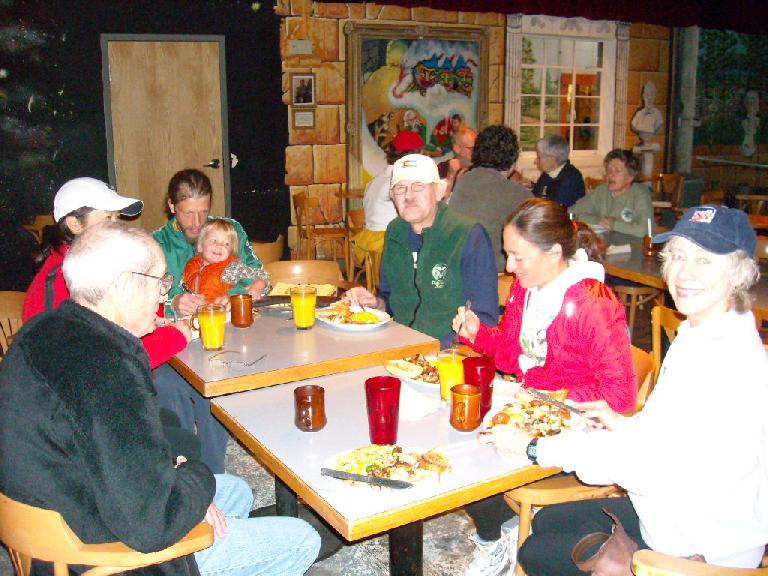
column 703, row 428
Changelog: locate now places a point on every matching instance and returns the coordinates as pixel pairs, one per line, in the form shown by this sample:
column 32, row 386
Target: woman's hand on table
column 188, row 303
column 466, row 323
column 183, row 327
column 599, row 415
column 256, row 289
column 359, row 296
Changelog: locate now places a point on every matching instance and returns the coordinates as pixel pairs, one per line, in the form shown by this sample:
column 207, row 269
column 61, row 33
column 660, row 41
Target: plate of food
column 342, row 316
column 533, row 416
column 420, row 370
column 393, row 463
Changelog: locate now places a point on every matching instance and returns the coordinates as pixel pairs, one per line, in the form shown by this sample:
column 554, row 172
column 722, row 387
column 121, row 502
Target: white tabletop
column 263, row 420
column 293, row 354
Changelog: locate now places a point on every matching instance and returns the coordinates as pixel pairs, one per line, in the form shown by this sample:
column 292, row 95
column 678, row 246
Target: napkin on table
column 414, row 406
column 618, row 249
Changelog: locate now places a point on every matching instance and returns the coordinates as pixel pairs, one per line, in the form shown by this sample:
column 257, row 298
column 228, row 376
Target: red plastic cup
column 480, row 371
column 382, row 395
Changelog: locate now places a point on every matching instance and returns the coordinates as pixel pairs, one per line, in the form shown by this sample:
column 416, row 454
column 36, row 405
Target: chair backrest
column 591, row 183
column 651, row 563
column 31, row 532
column 645, row 370
column 669, row 187
column 761, row 253
column 356, row 219
column 668, row 320
column 39, row 224
column 505, row 283
column 310, row 271
column 269, row 251
column 308, row 210
column 10, row 317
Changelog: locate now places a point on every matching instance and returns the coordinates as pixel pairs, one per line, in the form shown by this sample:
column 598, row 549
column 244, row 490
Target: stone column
column 685, row 49
column 620, row 97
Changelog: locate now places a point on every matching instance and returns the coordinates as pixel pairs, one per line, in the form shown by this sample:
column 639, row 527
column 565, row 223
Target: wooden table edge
column 296, row 373
column 386, row 521
column 639, row 277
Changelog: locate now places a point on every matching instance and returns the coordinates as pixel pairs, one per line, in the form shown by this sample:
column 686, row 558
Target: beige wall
column 316, row 159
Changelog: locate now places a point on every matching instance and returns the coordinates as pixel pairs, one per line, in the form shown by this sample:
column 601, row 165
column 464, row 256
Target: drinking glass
column 210, row 320
column 382, row 395
column 242, row 310
column 303, row 301
column 480, row 371
column 451, row 372
column 465, row 407
column 310, row 408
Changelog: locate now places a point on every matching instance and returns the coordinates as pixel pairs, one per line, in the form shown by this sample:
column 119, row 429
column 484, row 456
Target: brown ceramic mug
column 242, row 310
column 310, row 408
column 465, row 407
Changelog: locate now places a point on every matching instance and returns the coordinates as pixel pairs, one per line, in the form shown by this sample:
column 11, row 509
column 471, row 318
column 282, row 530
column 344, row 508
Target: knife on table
column 376, row 481
column 549, row 400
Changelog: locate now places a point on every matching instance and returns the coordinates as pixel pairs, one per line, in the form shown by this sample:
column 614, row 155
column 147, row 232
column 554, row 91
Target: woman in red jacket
column 78, row 205
column 562, row 329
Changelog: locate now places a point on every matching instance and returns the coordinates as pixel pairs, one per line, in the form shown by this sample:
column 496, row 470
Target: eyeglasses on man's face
column 166, row 281
column 416, row 188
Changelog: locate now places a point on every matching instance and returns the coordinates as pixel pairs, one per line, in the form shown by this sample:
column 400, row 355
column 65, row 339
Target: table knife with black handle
column 376, row 481
column 549, row 400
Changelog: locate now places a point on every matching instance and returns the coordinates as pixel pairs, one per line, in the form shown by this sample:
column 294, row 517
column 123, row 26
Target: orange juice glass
column 303, row 302
column 211, row 320
column 451, row 371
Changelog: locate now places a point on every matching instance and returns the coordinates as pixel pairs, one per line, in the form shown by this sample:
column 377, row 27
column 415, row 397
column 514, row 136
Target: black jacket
column 565, row 189
column 80, row 433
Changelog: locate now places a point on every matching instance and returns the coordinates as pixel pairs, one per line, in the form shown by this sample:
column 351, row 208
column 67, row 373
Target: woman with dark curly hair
column 485, row 193
column 621, row 204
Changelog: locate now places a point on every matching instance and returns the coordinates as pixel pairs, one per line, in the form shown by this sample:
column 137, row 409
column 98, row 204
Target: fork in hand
column 467, row 308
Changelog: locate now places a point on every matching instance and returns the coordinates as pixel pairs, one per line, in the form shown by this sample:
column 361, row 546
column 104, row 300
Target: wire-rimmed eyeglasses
column 415, row 187
column 166, row 281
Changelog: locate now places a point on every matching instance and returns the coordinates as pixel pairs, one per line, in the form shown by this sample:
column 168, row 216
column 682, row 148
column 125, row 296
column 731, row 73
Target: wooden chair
column 310, row 235
column 651, row 563
column 668, row 320
column 269, row 251
column 559, row 489
column 761, row 253
column 505, row 283
column 10, row 317
column 669, row 188
column 31, row 532
column 355, row 223
column 38, row 225
column 591, row 183
column 306, row 271
column 634, row 298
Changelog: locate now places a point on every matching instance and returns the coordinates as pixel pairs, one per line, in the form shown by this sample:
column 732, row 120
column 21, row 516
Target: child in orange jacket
column 216, row 268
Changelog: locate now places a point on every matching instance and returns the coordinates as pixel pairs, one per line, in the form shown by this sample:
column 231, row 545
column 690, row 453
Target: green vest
column 426, row 298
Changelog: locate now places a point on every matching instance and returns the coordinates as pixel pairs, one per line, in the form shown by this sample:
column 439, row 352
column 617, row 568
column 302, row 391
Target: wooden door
column 165, row 110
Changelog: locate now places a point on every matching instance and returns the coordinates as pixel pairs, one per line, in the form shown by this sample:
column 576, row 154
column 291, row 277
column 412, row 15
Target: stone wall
column 316, row 158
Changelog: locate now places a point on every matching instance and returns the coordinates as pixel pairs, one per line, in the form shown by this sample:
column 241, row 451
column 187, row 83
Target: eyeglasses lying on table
column 218, row 359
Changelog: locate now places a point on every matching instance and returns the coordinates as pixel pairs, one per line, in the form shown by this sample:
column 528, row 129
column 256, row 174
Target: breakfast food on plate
column 394, row 462
column 414, row 368
column 533, row 416
column 341, row 313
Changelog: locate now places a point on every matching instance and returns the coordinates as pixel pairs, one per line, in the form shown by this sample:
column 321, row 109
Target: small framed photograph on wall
column 303, row 89
column 303, row 118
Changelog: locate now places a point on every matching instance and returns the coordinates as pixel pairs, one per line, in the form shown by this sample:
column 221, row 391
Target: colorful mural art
column 427, row 86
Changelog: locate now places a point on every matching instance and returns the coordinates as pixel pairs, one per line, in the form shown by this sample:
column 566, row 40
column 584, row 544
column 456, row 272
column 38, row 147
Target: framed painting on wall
column 430, row 80
column 303, row 89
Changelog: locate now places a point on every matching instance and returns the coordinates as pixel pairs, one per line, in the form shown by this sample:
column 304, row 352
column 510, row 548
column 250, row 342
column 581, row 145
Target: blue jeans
column 272, row 546
column 194, row 412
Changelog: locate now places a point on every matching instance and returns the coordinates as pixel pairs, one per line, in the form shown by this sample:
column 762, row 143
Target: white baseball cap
column 92, row 193
column 415, row 167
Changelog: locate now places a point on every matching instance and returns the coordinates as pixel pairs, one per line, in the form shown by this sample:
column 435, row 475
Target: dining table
column 273, row 351
column 632, row 265
column 263, row 420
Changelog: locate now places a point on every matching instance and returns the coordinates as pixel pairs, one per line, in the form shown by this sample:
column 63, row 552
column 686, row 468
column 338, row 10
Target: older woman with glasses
column 702, row 430
column 621, row 204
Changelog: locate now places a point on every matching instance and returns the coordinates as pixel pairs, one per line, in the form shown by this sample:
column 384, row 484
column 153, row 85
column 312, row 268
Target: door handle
column 214, row 163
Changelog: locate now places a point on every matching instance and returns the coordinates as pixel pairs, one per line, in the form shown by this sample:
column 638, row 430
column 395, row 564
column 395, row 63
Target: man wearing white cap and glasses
column 434, row 260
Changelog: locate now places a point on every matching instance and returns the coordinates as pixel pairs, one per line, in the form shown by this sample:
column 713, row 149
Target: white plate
column 332, row 463
column 420, row 384
column 382, row 316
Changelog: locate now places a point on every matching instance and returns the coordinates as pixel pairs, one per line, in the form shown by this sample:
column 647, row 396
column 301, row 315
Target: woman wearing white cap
column 702, row 429
column 78, row 205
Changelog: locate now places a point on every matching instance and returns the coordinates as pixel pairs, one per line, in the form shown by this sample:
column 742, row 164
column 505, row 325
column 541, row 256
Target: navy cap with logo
column 716, row 229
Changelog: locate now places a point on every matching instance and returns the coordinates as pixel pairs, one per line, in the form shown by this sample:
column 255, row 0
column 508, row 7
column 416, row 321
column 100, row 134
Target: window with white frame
column 566, row 76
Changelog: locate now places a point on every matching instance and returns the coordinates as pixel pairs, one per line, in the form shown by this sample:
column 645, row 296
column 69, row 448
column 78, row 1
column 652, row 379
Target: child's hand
column 223, row 301
column 257, row 288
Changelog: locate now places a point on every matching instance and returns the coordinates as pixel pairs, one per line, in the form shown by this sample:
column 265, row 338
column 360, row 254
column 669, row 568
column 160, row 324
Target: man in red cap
column 378, row 206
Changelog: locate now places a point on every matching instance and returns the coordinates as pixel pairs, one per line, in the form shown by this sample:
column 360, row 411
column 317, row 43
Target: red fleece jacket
column 588, row 347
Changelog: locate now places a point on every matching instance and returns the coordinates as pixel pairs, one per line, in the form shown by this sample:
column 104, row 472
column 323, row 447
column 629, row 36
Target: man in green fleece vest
column 434, row 260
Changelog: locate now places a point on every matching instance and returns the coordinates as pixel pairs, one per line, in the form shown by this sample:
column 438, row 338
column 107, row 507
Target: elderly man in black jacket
column 80, row 429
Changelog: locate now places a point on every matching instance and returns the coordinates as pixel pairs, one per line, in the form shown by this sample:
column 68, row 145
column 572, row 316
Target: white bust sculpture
column 751, row 123
column 647, row 121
